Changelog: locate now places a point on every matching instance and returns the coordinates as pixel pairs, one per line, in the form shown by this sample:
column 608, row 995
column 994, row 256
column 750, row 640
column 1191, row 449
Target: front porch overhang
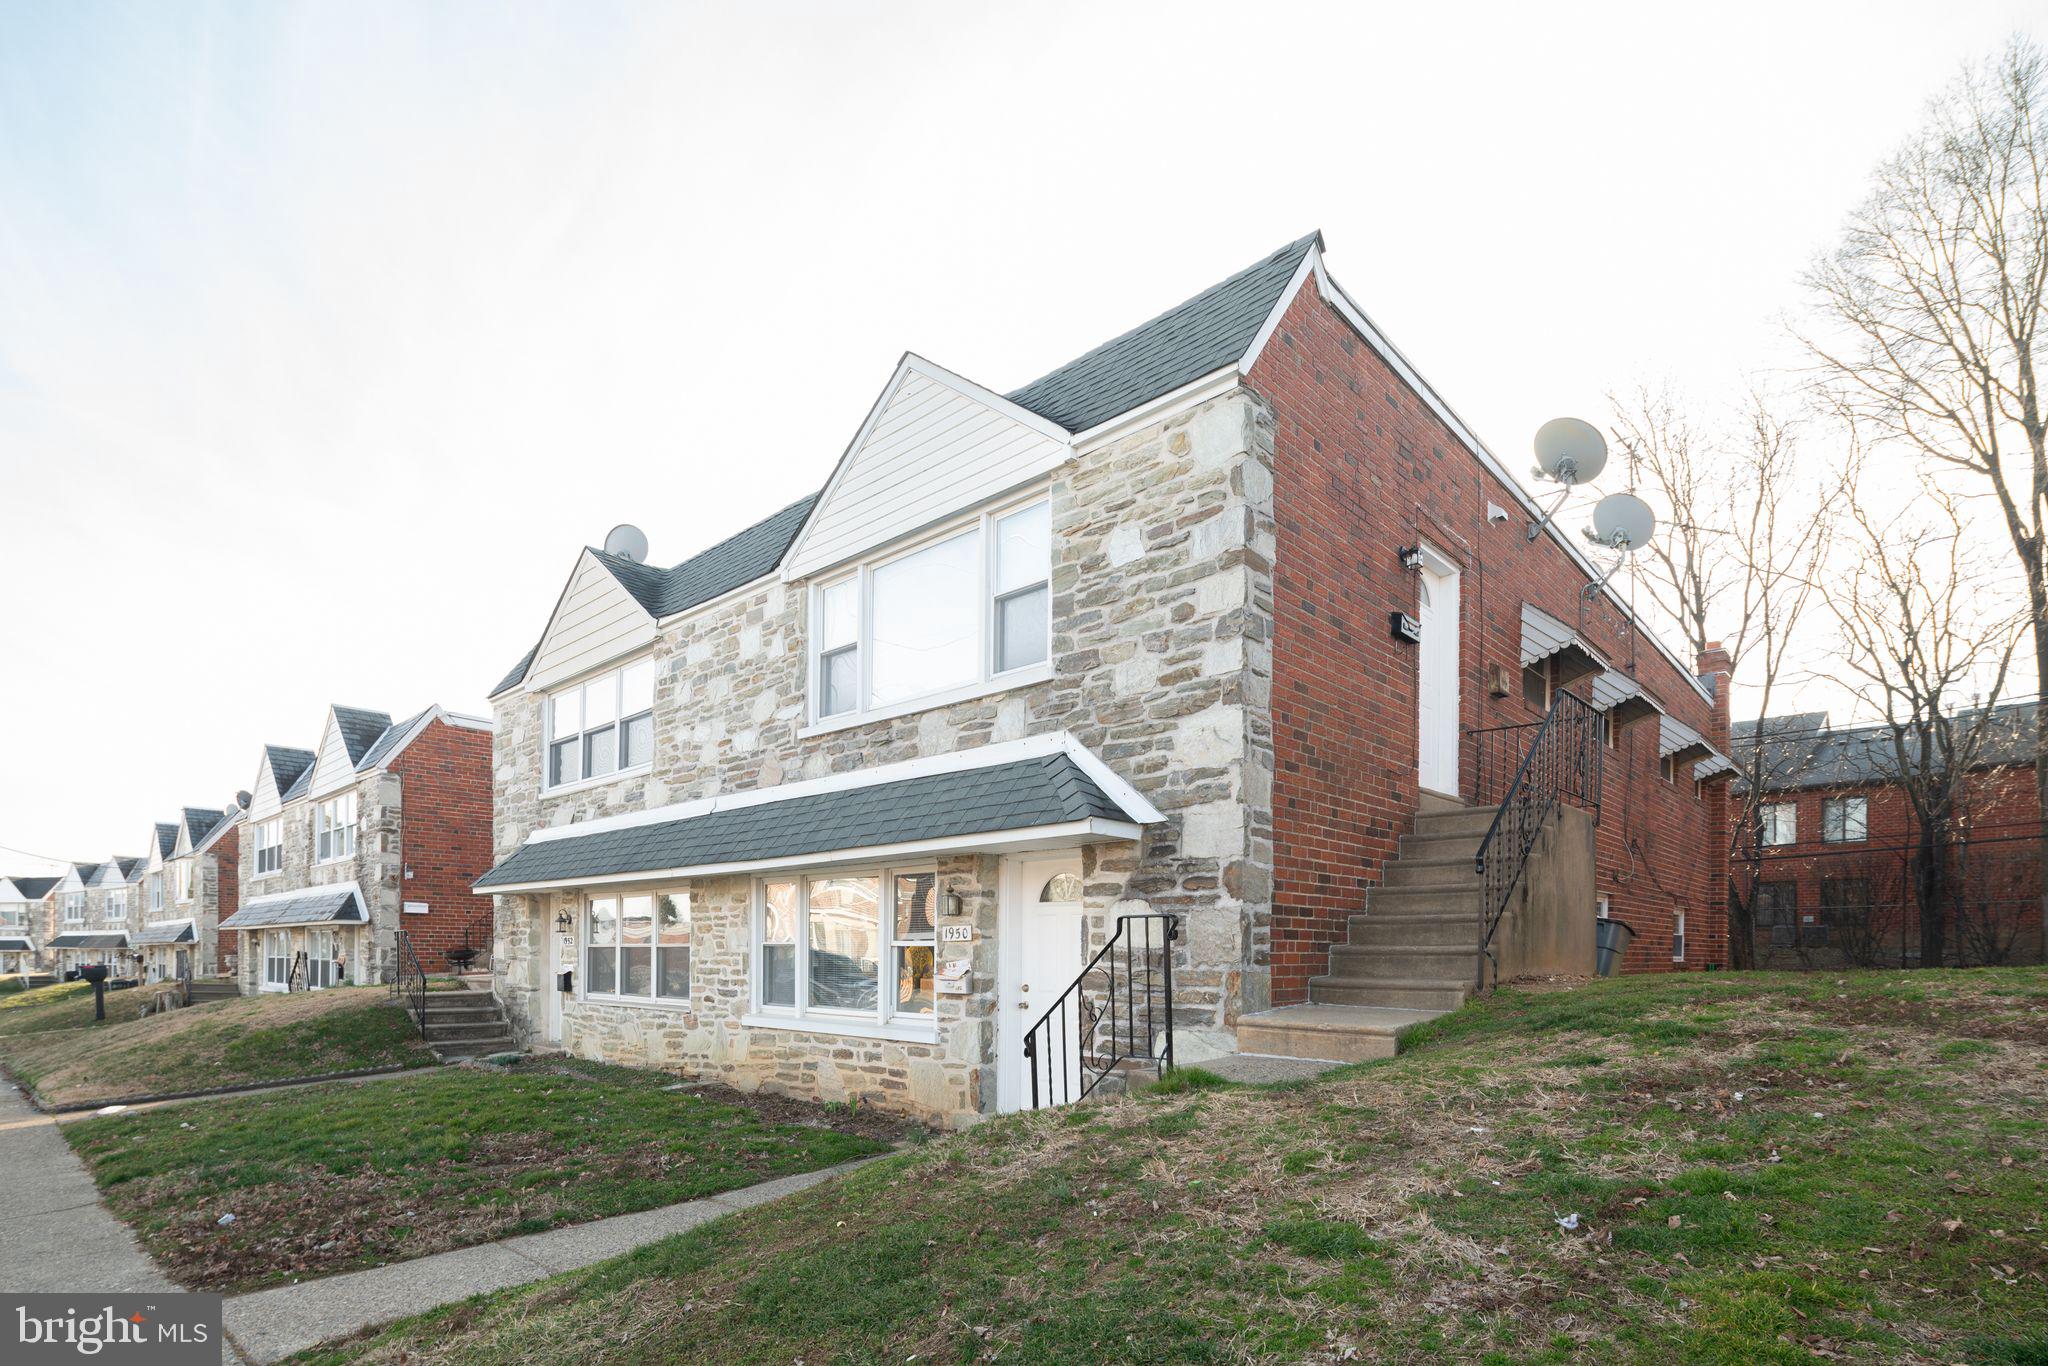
column 1544, row 637
column 1047, row 792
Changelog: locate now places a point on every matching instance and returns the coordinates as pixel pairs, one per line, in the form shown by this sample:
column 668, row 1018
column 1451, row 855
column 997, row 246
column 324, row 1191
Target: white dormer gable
column 10, row 892
column 110, row 875
column 156, row 855
column 933, row 444
column 595, row 622
column 333, row 769
column 184, row 845
column 264, row 800
column 72, row 882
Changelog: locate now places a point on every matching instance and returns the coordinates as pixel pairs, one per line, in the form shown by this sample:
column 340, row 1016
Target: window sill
column 966, row 692
column 857, row 1029
column 586, row 784
column 682, row 1007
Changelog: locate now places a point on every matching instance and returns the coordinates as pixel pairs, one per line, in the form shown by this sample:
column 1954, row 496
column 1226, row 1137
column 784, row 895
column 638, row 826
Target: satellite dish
column 1571, row 450
column 628, row 541
column 1623, row 521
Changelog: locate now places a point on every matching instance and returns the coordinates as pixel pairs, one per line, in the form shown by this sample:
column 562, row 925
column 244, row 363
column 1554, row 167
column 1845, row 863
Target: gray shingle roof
column 35, row 888
column 166, row 838
column 736, row 560
column 1801, row 751
column 76, row 940
column 360, row 729
column 199, row 821
column 14, row 943
column 287, row 765
column 131, row 868
column 1047, row 790
column 388, row 741
column 1179, row 346
column 313, row 906
column 165, row 934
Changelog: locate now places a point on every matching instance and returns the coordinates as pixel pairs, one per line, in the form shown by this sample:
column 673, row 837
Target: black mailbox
column 565, row 980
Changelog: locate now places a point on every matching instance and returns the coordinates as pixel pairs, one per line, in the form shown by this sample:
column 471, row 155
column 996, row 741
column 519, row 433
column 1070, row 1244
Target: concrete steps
column 467, row 1024
column 212, row 989
column 1335, row 1032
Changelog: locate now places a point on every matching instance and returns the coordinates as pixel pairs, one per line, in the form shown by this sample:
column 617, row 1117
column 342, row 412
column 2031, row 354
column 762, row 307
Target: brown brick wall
column 1363, row 468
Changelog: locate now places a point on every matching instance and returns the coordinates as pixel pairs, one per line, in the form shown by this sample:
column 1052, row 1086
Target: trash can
column 1610, row 944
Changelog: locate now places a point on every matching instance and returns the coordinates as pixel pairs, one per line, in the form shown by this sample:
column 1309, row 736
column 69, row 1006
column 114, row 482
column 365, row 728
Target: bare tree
column 1930, row 314
column 1926, row 644
column 1735, row 560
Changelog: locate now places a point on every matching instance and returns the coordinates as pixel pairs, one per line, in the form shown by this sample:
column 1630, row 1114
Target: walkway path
column 54, row 1232
column 268, row 1325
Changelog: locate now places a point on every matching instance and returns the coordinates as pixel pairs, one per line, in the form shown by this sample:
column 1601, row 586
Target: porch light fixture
column 1411, row 557
column 954, row 905
column 563, row 922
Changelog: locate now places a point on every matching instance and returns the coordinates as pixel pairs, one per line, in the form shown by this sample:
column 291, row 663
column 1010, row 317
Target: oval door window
column 1062, row 887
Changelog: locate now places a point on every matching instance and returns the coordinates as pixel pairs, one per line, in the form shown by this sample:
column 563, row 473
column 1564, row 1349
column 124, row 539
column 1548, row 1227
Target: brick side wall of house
column 1997, row 913
column 220, row 869
column 1363, row 468
column 446, row 840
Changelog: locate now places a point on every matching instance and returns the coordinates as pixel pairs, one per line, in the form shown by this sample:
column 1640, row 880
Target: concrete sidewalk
column 269, row 1325
column 54, row 1232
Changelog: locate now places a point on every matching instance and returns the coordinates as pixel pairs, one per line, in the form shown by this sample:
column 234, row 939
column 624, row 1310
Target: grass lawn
column 1762, row 1168
column 328, row 1179
column 48, row 1038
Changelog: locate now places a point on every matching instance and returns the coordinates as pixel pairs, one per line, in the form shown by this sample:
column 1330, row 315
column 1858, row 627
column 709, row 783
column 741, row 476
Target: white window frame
column 988, row 679
column 653, row 999
column 280, row 982
column 74, row 906
column 184, row 880
column 116, row 904
column 1774, row 832
column 616, row 677
column 156, row 893
column 330, row 829
column 1678, row 937
column 1835, row 823
column 274, row 827
column 883, row 1021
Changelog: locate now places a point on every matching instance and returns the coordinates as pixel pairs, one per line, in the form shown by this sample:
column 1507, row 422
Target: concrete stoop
column 467, row 1024
column 1333, row 1033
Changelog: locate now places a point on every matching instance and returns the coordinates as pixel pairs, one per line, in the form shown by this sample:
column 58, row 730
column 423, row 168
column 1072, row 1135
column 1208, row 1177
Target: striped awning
column 1545, row 637
column 1623, row 699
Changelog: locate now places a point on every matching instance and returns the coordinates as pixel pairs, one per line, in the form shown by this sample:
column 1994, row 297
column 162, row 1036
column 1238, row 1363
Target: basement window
column 1678, row 938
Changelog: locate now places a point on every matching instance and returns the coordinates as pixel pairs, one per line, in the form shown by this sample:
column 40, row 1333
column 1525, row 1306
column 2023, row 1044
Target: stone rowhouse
column 189, row 887
column 837, row 806
column 95, row 911
column 1835, row 833
column 380, row 829
column 24, row 928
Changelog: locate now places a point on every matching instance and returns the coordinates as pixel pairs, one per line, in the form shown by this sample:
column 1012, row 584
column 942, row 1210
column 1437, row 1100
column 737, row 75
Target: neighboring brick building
column 381, row 829
column 190, row 888
column 1834, row 838
column 1116, row 643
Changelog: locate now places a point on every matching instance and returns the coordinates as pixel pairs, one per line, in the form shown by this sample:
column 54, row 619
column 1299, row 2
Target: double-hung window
column 602, row 726
column 74, row 905
column 1845, row 820
column 334, row 828
column 116, row 907
column 1678, row 938
column 156, row 892
column 964, row 611
column 269, row 845
column 184, row 881
column 277, row 958
column 1777, row 823
column 857, row 947
column 637, row 948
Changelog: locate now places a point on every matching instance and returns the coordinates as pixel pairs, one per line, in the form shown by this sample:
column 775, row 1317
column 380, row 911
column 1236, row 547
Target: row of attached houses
column 1224, row 620
column 303, row 882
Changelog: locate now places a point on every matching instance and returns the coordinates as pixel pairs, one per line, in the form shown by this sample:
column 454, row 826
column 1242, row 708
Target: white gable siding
column 597, row 621
column 929, row 451
column 264, row 803
column 333, row 768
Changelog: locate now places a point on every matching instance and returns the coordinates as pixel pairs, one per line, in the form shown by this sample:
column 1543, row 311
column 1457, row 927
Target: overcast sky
column 329, row 332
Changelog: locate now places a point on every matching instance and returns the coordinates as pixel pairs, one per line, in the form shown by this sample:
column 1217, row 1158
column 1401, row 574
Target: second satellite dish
column 627, row 541
column 1571, row 450
column 1623, row 521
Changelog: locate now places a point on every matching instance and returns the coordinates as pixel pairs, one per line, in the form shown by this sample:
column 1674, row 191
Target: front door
column 1437, row 677
column 1042, row 951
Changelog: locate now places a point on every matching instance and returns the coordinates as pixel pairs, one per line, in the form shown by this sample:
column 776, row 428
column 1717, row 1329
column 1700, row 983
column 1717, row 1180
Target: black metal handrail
column 409, row 983
column 1104, row 1021
column 1562, row 763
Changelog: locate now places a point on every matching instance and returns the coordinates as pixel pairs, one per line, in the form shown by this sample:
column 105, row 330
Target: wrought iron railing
column 1562, row 763
column 409, row 983
column 1116, row 1017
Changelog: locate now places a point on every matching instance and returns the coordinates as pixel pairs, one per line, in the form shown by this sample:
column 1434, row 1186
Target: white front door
column 1437, row 677
column 1042, row 951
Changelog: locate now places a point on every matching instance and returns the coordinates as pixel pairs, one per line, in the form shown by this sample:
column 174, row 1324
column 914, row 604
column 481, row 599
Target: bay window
column 269, row 845
column 959, row 612
column 334, row 828
column 848, row 946
column 636, row 947
column 601, row 726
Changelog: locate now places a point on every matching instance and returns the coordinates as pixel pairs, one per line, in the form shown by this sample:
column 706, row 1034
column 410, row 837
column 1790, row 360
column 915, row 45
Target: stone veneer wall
column 375, row 868
column 1161, row 652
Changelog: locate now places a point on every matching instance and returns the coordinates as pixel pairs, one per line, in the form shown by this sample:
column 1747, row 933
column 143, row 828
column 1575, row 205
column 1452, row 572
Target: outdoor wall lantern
column 954, row 905
column 563, row 922
column 1411, row 557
